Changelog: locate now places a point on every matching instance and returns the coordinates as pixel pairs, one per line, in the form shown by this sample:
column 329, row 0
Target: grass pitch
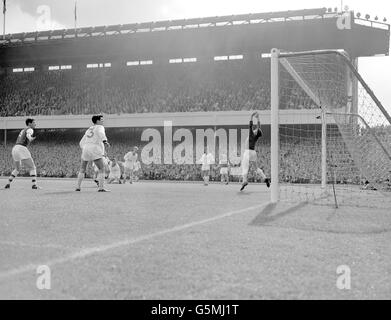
column 157, row 240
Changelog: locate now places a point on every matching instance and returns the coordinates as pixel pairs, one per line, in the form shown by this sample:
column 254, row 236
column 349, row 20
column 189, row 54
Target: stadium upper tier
column 220, row 86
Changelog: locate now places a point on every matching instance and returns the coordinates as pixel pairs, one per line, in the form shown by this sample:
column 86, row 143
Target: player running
column 93, row 149
column 224, row 165
column 115, row 172
column 130, row 162
column 22, row 156
column 207, row 159
column 136, row 170
column 250, row 154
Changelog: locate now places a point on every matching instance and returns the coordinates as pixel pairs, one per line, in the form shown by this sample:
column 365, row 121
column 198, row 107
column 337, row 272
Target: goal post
column 274, row 127
column 347, row 145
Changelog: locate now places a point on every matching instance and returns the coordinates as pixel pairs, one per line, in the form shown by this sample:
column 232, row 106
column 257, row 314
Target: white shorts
column 115, row 175
column 249, row 155
column 129, row 167
column 224, row 171
column 20, row 153
column 91, row 152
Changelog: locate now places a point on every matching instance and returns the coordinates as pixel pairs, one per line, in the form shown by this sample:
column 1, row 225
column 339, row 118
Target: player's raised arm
column 254, row 114
column 260, row 133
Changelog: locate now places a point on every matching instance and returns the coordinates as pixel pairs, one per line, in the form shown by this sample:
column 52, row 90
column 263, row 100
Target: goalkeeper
column 250, row 154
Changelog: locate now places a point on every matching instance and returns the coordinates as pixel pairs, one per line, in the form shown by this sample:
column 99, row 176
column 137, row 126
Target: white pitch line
column 21, row 244
column 95, row 250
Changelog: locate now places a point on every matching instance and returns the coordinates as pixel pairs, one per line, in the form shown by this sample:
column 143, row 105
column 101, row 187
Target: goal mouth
column 343, row 155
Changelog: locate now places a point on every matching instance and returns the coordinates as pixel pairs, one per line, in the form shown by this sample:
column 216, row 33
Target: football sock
column 80, row 178
column 13, row 175
column 101, row 179
column 33, row 175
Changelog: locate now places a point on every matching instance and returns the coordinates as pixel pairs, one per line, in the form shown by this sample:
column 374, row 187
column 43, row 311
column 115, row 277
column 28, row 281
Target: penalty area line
column 116, row 245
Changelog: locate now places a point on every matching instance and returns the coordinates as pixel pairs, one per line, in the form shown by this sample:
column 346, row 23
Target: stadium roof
column 204, row 38
column 292, row 15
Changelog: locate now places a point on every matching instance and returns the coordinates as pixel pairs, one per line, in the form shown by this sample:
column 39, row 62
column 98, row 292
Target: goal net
column 331, row 136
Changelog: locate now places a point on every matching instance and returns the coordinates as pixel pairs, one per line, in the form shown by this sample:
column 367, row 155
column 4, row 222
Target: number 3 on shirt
column 90, row 133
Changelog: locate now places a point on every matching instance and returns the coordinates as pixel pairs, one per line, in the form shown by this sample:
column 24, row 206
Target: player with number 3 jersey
column 93, row 149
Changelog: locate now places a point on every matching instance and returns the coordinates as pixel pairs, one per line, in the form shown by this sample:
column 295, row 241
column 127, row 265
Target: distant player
column 115, row 172
column 224, row 165
column 107, row 163
column 206, row 160
column 368, row 186
column 93, row 149
column 136, row 170
column 22, row 156
column 250, row 154
column 121, row 166
column 130, row 162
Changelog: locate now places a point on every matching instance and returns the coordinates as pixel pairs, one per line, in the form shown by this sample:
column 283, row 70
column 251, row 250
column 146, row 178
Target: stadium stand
column 222, row 86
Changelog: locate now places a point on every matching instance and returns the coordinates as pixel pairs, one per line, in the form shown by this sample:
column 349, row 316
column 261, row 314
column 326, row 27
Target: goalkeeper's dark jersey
column 253, row 138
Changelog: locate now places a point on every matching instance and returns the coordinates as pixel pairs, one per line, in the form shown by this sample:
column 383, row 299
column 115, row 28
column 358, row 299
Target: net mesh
column 358, row 134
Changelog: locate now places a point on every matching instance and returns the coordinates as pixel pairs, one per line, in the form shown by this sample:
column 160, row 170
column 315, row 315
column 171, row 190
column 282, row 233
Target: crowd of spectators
column 62, row 159
column 170, row 88
column 299, row 163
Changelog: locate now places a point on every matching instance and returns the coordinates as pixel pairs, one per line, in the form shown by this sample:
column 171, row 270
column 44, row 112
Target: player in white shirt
column 130, row 162
column 224, row 165
column 136, row 170
column 93, row 149
column 22, row 156
column 107, row 162
column 206, row 160
column 121, row 166
column 115, row 172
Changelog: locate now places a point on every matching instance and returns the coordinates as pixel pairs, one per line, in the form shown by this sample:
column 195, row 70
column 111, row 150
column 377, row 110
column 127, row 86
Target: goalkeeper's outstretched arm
column 259, row 130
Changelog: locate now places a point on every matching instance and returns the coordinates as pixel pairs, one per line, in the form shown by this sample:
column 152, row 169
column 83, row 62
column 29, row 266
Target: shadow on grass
column 249, row 193
column 266, row 215
column 61, row 192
